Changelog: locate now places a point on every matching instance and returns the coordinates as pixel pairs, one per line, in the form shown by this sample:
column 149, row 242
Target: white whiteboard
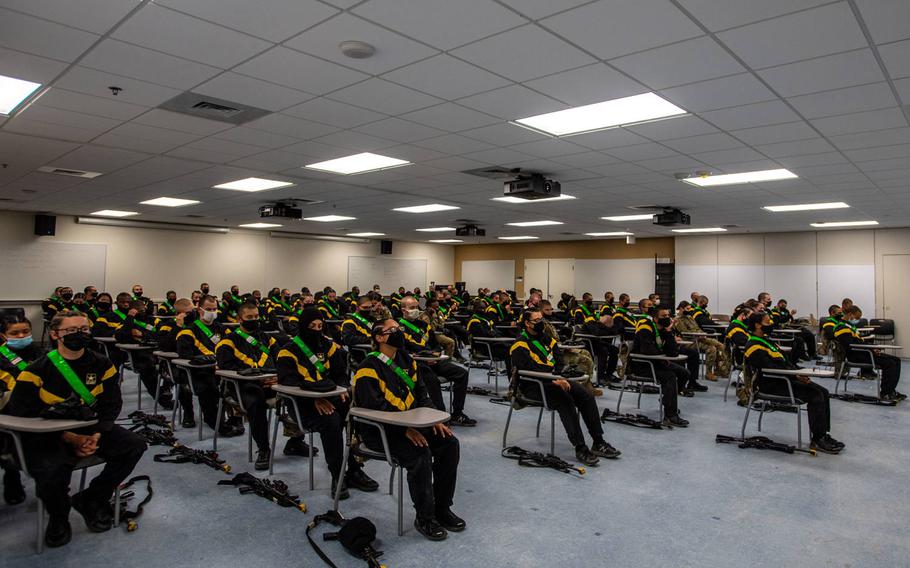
column 634, row 276
column 32, row 270
column 492, row 274
column 701, row 278
column 796, row 284
column 856, row 281
column 389, row 273
column 736, row 282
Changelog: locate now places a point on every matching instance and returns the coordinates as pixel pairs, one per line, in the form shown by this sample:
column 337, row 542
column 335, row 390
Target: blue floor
column 675, row 498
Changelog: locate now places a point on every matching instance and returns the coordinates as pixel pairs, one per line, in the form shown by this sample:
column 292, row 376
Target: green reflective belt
column 74, row 307
column 284, row 305
column 70, row 376
column 767, row 344
column 236, row 299
column 95, row 311
column 203, row 328
column 584, row 308
column 120, row 314
column 739, row 323
column 499, row 310
column 363, row 321
column 252, row 341
column 170, row 308
column 331, row 310
column 413, row 328
column 543, row 351
column 398, row 370
column 13, row 358
column 657, row 338
column 144, row 325
column 445, row 312
column 320, row 368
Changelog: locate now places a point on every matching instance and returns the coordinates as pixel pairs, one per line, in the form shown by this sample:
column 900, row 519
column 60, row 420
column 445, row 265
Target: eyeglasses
column 69, row 330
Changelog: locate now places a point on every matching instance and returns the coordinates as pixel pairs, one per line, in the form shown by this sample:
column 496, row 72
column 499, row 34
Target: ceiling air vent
column 494, row 172
column 69, row 172
column 213, row 108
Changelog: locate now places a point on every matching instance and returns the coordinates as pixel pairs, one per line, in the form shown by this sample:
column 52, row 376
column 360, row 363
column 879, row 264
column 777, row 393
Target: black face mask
column 67, row 297
column 766, row 329
column 311, row 336
column 366, row 313
column 250, row 325
column 76, row 341
column 396, row 339
column 589, row 303
column 103, row 306
column 664, row 322
column 625, row 304
column 204, row 290
column 190, row 316
column 539, row 327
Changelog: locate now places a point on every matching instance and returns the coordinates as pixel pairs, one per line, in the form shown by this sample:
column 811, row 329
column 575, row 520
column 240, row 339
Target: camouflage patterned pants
column 583, row 360
column 717, row 361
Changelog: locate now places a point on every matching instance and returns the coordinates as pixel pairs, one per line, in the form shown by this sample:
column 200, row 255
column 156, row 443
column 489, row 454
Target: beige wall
column 590, row 249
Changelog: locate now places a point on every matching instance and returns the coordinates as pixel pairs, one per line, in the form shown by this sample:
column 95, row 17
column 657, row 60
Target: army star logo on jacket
column 91, row 379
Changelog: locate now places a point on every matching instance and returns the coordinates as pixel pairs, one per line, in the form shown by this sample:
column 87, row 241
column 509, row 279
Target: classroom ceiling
column 821, row 88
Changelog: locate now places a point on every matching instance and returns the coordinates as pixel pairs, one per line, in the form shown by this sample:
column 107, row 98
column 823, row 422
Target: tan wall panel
column 790, row 249
column 740, row 249
column 846, row 247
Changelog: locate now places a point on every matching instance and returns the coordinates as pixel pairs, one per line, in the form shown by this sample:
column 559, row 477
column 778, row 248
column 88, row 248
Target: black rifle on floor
column 139, row 417
column 762, row 443
column 645, row 389
column 131, row 516
column 537, row 459
column 275, row 490
column 183, row 454
column 637, row 420
column 862, row 398
column 154, row 436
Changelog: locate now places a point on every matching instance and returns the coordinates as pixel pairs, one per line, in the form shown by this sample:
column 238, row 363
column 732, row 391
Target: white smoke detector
column 357, row 49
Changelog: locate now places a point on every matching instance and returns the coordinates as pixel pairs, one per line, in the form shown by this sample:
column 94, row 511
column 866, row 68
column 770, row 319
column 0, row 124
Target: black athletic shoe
column 166, row 402
column 97, row 518
column 450, row 521
column 698, row 387
column 677, row 421
column 188, row 422
column 230, row 431
column 358, row 479
column 345, row 494
column 431, row 529
column 586, row 456
column 461, row 419
column 58, row 532
column 686, row 393
column 605, row 450
column 13, row 491
column 262, row 459
column 831, row 440
column 299, row 447
column 900, row 395
column 825, row 446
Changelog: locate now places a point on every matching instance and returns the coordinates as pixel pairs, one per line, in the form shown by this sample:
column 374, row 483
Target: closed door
column 537, row 275
column 561, row 276
column 895, row 275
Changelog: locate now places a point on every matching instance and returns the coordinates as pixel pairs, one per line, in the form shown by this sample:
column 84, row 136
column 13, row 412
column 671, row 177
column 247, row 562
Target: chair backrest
column 648, row 364
column 882, row 326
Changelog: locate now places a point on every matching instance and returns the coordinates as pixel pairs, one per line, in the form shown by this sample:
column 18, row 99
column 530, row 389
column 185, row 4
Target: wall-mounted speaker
column 385, row 247
column 45, row 225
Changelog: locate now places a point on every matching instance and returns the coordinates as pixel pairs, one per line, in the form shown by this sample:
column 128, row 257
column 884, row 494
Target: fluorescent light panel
column 358, row 164
column 113, row 213
column 260, row 225
column 436, row 229
column 702, row 230
column 845, row 224
column 169, row 202
column 744, row 177
column 366, row 234
column 13, row 92
column 253, row 184
column 430, row 208
column 519, row 238
column 443, row 241
column 534, row 223
column 329, row 218
column 598, row 116
column 613, row 234
column 649, row 216
column 806, row 207
column 520, row 200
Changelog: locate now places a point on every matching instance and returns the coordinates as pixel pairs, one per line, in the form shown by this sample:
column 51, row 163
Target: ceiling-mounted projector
column 534, row 186
column 470, row 231
column 671, row 218
column 282, row 210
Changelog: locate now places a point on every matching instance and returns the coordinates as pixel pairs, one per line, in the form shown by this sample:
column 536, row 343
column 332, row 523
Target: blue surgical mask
column 854, row 321
column 19, row 343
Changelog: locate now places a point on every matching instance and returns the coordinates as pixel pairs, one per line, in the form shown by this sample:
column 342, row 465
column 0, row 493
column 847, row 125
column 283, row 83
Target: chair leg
column 505, row 431
column 40, row 541
column 400, row 500
column 344, row 465
column 539, row 418
column 82, row 479
column 660, row 401
column 799, row 426
column 157, row 393
column 392, row 481
column 761, row 414
column 274, row 438
column 553, row 432
column 746, row 418
column 312, row 459
column 117, row 506
column 622, row 389
column 217, row 422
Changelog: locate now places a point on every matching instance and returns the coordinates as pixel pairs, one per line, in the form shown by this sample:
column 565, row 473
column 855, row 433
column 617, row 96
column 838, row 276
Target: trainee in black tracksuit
column 606, row 353
column 167, row 342
column 480, row 326
column 432, row 471
column 250, row 349
column 355, row 331
column 197, row 338
column 764, row 353
column 49, row 459
column 651, row 341
column 540, row 353
column 12, row 363
column 846, row 335
column 141, row 329
column 419, row 337
column 297, row 368
column 782, row 317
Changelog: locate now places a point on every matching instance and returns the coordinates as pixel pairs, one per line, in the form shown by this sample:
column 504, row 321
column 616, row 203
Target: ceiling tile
column 446, row 77
column 441, row 23
column 246, row 135
column 719, row 93
column 903, row 88
column 610, row 29
column 274, row 20
column 108, row 107
column 18, row 147
column 897, row 58
column 640, row 152
column 99, row 159
column 144, row 138
column 504, row 134
column 722, row 14
column 290, row 126
column 399, row 130
column 215, row 150
column 335, row 113
column 96, row 16
column 40, row 37
column 450, row 117
column 182, row 122
column 775, row 133
column 454, row 144
column 299, row 71
column 686, row 62
column 66, row 118
column 766, row 113
column 861, row 122
column 355, row 141
column 498, row 156
column 825, row 73
column 796, row 148
column 703, row 143
column 872, row 139
column 249, row 91
column 586, row 85
column 383, row 96
column 536, row 9
column 29, row 67
column 812, row 33
column 549, row 148
column 673, row 128
column 610, row 138
column 888, row 20
column 843, row 101
column 524, row 53
column 392, row 50
column 512, row 103
column 120, row 58
column 92, row 82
